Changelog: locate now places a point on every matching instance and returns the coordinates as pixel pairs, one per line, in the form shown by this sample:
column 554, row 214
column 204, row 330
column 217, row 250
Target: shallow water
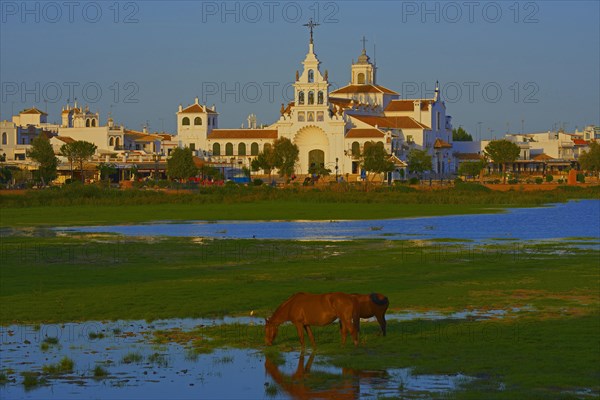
column 162, row 370
column 571, row 219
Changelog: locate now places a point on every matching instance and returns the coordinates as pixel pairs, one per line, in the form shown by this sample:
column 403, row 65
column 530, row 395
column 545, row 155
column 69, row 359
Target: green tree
column 375, row 159
column 419, row 161
column 42, row 152
column 472, row 168
column 66, row 150
column 460, row 135
column 181, row 164
column 590, row 160
column 78, row 152
column 265, row 160
column 285, row 155
column 502, row 152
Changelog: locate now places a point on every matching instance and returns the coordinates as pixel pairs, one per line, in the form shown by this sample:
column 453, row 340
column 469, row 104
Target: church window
column 111, row 141
column 117, row 142
column 437, row 121
column 229, row 149
column 355, row 149
column 300, row 98
column 320, row 116
column 198, row 121
column 320, row 97
column 185, row 121
column 93, row 122
column 311, row 76
column 301, row 116
column 216, row 149
column 4, row 138
column 242, row 149
column 254, row 149
column 310, row 116
column 311, row 97
column 87, row 123
column 360, row 79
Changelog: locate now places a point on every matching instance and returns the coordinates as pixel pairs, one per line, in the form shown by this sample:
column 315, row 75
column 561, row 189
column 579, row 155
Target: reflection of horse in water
column 297, row 385
column 305, row 309
column 373, row 305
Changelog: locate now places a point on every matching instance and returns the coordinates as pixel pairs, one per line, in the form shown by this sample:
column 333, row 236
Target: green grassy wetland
column 90, row 205
column 543, row 343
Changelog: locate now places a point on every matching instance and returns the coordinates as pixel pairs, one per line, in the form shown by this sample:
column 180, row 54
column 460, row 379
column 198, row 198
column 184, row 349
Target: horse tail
column 379, row 299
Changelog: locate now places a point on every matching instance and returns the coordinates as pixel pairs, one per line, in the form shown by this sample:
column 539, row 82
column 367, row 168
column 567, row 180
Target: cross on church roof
column 364, row 41
column 311, row 25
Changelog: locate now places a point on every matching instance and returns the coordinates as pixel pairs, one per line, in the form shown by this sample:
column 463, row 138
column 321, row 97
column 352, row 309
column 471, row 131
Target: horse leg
column 300, row 333
column 382, row 322
column 343, row 331
column 310, row 335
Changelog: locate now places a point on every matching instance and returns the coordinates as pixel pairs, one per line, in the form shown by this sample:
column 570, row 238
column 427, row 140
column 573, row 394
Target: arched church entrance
column 312, row 144
column 316, row 160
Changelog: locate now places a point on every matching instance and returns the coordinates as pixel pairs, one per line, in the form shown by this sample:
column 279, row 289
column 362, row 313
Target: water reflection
column 304, row 384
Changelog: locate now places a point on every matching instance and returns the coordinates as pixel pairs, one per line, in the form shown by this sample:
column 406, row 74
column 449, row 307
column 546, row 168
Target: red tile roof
column 197, row 108
column 33, row 110
column 580, row 142
column 364, row 89
column 391, row 122
column 364, row 133
column 407, row 105
column 243, row 134
column 65, row 139
column 441, row 144
column 542, row 157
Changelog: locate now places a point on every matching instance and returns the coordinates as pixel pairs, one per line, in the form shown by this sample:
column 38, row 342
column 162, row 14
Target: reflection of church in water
column 329, row 128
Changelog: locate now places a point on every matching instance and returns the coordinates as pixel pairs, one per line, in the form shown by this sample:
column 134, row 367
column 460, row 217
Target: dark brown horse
column 305, row 309
column 373, row 305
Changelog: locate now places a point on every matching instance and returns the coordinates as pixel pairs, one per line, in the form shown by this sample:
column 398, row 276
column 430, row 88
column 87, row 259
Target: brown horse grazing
column 305, row 309
column 374, row 304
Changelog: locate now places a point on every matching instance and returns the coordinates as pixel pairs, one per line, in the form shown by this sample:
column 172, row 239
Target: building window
column 242, row 149
column 437, row 120
column 409, row 138
column 267, row 147
column 360, row 79
column 320, row 98
column 117, row 142
column 301, row 98
column 216, row 149
column 87, row 123
column 111, row 141
column 301, row 116
column 193, row 146
column 4, row 138
column 311, row 116
column 229, row 149
column 198, row 121
column 355, row 149
column 254, row 149
column 311, row 76
column 185, row 121
column 137, row 146
column 94, row 122
column 311, row 97
column 320, row 116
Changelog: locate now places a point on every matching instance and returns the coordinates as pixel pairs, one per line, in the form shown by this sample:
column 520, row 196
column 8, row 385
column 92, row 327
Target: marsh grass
column 32, row 380
column 132, row 357
column 100, row 372
column 64, row 366
column 76, row 205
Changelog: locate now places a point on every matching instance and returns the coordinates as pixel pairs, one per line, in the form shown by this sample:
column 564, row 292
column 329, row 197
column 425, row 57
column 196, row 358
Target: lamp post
column 336, row 169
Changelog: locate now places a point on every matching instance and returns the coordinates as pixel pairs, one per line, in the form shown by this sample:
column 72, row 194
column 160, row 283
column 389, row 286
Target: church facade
column 330, row 128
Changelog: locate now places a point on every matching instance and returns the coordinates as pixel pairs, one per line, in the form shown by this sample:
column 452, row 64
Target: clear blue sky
column 497, row 62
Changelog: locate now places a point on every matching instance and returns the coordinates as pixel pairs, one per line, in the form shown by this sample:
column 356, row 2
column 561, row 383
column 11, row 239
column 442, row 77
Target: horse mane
column 380, row 301
column 283, row 305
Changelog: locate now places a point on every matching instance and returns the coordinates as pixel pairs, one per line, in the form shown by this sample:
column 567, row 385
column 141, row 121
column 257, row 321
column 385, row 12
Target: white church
column 330, row 128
